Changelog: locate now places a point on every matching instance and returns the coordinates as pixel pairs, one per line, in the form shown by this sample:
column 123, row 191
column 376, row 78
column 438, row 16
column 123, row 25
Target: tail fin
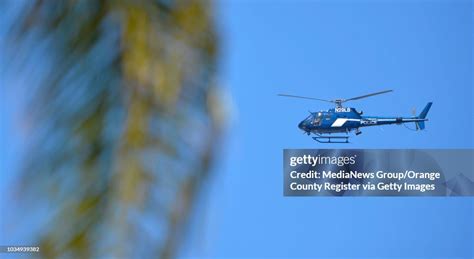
column 421, row 124
column 425, row 111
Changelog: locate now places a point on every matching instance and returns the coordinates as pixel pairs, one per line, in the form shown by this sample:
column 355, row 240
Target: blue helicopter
column 346, row 119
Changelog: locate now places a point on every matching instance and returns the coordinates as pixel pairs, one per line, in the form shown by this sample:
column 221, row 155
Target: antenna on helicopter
column 338, row 102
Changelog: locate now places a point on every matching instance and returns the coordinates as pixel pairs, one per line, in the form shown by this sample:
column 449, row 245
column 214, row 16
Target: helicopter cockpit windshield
column 317, row 119
column 314, row 119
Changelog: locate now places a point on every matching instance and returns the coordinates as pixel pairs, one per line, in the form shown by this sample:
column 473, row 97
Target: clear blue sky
column 327, row 49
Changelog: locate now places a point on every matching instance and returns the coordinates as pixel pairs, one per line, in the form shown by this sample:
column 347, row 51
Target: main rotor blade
column 367, row 95
column 304, row 97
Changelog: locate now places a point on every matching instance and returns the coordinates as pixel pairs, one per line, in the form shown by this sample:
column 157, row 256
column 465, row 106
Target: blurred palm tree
column 124, row 119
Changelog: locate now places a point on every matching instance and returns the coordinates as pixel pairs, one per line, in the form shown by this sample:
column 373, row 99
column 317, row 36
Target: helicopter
column 346, row 119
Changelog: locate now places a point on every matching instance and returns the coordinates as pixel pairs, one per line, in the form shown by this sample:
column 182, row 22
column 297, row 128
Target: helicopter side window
column 317, row 119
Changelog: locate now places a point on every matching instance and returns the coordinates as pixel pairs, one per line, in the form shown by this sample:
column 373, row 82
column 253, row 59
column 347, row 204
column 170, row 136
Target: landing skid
column 332, row 139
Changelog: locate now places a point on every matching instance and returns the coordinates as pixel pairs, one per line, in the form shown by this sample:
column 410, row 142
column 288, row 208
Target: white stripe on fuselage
column 339, row 122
